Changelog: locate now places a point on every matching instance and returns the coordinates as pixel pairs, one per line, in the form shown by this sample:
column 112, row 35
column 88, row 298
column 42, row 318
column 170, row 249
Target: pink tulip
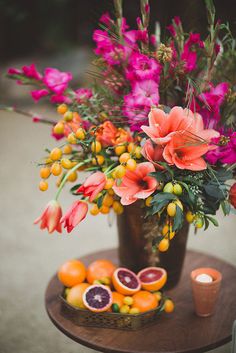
column 232, row 195
column 136, row 184
column 153, row 154
column 93, row 185
column 74, row 215
column 51, row 217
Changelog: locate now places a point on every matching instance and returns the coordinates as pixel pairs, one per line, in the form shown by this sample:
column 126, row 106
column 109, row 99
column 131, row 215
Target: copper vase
column 136, row 234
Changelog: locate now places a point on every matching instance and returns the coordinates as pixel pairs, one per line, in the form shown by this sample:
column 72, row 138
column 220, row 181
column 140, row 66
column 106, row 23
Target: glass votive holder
column 205, row 287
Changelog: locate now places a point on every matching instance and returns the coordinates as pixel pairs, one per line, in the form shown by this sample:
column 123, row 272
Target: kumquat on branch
column 156, row 126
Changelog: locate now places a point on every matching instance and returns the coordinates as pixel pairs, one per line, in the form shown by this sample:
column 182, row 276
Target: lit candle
column 204, row 278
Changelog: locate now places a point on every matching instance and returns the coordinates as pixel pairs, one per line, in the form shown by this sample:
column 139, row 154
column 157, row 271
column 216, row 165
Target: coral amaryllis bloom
column 74, row 215
column 136, row 184
column 93, row 185
column 153, row 153
column 232, row 195
column 163, row 126
column 50, row 217
column 186, row 152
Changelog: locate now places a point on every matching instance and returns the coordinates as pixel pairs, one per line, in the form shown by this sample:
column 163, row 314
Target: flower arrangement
column 157, row 126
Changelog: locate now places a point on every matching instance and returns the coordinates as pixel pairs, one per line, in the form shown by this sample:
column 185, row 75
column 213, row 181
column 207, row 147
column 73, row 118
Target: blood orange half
column 125, row 281
column 152, row 278
column 97, row 298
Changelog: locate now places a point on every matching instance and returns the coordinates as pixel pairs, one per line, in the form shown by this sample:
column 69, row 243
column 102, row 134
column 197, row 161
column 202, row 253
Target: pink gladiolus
column 31, row 72
column 93, row 185
column 142, row 67
column 56, row 80
column 83, row 94
column 74, row 215
column 215, row 96
column 137, row 184
column 106, row 19
column 59, row 98
column 13, row 71
column 38, row 94
column 153, row 154
column 50, row 217
column 226, row 153
column 146, row 92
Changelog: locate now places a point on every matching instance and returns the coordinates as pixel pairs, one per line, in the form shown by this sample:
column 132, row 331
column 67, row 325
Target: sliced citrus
column 144, row 301
column 152, row 278
column 97, row 298
column 100, row 269
column 125, row 281
column 75, row 295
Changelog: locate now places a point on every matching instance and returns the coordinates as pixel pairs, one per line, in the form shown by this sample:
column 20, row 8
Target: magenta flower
column 138, row 103
column 215, row 96
column 189, row 55
column 146, row 92
column 56, row 80
column 225, row 154
column 59, row 98
column 38, row 94
column 14, row 71
column 31, row 72
column 212, row 101
column 141, row 67
column 106, row 19
column 83, row 94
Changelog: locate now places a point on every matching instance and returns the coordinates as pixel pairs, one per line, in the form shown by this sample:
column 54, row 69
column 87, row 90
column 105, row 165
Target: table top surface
column 179, row 332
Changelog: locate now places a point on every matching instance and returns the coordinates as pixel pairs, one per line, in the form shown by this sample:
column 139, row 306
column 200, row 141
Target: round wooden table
column 179, row 332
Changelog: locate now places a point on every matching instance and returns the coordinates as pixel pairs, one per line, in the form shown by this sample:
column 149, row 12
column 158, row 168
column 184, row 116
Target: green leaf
column 158, row 206
column 160, row 176
column 99, row 201
column 178, row 219
column 162, row 196
column 213, row 220
column 74, row 189
column 225, row 207
column 206, row 223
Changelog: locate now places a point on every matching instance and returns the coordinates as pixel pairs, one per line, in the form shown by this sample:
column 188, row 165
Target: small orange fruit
column 72, row 273
column 45, row 172
column 55, row 154
column 117, row 298
column 164, row 245
column 75, row 295
column 120, row 150
column 43, row 185
column 98, row 269
column 131, row 164
column 62, row 109
column 169, row 306
column 144, row 301
column 109, row 184
column 124, row 157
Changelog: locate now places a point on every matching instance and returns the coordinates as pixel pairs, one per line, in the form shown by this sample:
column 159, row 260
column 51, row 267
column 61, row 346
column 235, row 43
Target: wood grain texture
column 179, row 332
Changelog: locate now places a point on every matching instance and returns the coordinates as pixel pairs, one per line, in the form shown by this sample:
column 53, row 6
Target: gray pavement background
column 29, row 256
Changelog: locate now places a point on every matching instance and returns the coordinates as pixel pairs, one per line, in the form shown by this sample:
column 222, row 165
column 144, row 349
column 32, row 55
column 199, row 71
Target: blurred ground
column 29, row 257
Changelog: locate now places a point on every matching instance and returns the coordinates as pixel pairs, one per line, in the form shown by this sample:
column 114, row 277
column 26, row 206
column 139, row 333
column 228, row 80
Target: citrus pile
column 103, row 287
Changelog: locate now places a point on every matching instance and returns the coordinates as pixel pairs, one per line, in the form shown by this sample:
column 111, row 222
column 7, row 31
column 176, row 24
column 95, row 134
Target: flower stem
column 66, row 176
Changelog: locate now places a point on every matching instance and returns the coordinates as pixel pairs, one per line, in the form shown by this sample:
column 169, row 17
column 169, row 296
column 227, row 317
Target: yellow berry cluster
column 54, row 165
column 108, row 202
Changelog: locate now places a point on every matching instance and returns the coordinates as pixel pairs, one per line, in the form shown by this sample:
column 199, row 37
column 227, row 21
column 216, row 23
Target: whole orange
column 99, row 269
column 75, row 295
column 118, row 299
column 71, row 273
column 144, row 301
